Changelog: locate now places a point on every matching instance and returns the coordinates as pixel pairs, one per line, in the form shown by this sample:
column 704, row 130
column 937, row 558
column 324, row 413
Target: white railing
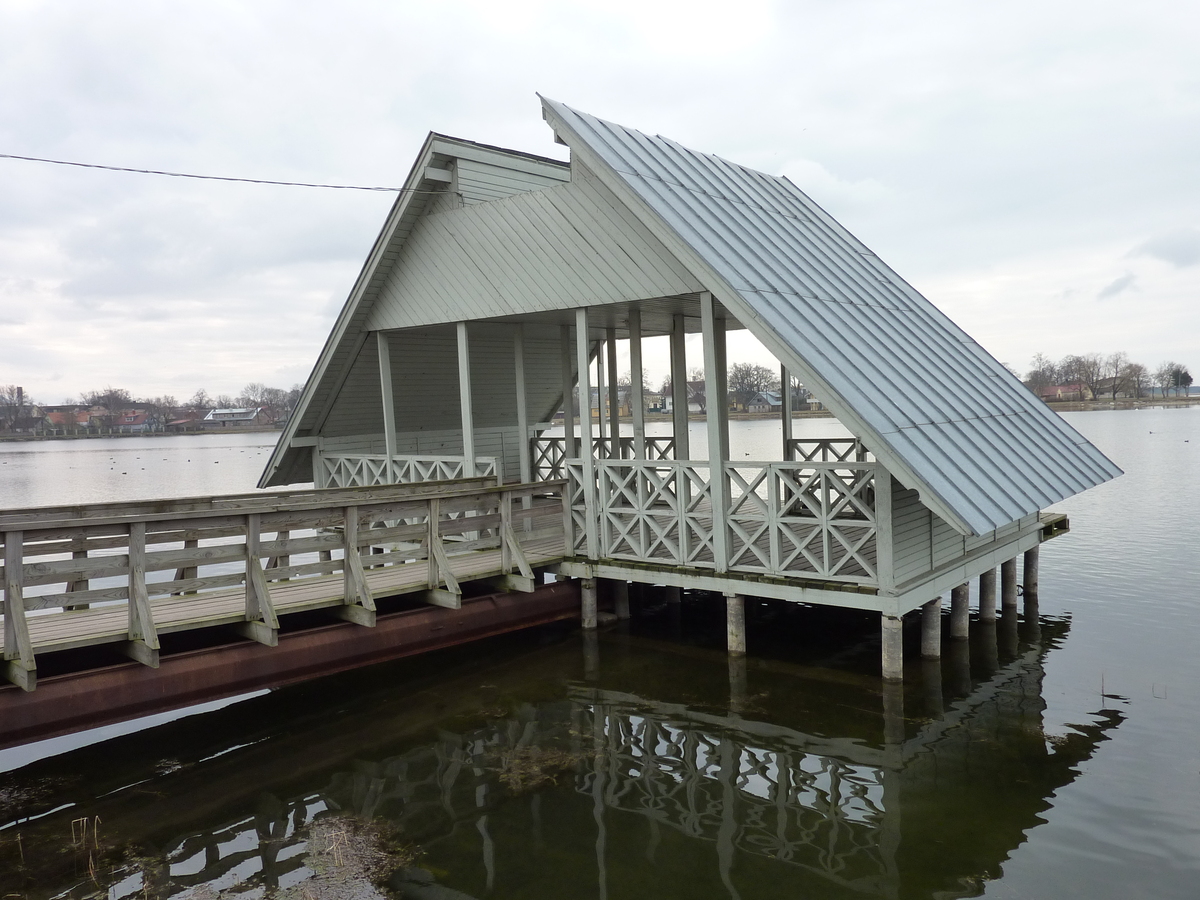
column 810, row 519
column 369, row 469
column 550, row 453
column 828, row 450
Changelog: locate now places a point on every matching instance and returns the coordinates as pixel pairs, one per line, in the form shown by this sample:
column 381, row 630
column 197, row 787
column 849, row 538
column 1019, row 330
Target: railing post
column 885, row 556
column 262, row 624
column 143, row 637
column 785, row 403
column 636, row 388
column 19, row 664
column 79, row 584
column 358, row 605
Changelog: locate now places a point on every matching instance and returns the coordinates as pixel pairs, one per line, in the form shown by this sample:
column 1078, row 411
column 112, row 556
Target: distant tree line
column 1097, row 375
column 277, row 404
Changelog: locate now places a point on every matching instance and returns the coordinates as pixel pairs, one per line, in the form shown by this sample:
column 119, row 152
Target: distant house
column 132, row 421
column 236, row 418
column 765, row 401
column 186, row 420
column 1065, row 392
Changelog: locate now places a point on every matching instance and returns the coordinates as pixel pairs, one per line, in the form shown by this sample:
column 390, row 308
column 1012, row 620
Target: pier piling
column 931, row 629
column 893, row 647
column 987, row 596
column 735, row 624
column 587, row 593
column 960, row 612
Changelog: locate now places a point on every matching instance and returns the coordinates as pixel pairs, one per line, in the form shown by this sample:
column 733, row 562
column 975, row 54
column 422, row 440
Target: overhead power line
column 336, row 187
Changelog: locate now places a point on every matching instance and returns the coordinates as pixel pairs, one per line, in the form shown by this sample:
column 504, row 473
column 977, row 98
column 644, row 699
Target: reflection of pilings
column 729, row 772
column 931, row 629
column 893, row 713
column 1031, row 622
column 1008, row 583
column 985, row 641
column 591, row 655
column 960, row 612
column 987, row 595
column 599, row 745
column 738, row 679
column 931, row 684
column 960, row 667
column 892, row 631
column 1008, row 637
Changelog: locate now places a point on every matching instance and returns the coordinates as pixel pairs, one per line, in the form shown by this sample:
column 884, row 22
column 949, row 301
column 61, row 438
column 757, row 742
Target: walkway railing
column 162, row 566
column 811, row 519
column 367, row 469
column 828, row 450
column 550, row 453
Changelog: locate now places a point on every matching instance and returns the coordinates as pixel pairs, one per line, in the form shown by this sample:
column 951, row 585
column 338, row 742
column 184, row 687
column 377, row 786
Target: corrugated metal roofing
column 933, row 405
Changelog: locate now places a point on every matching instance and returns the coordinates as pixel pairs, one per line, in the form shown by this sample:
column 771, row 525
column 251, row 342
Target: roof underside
column 925, row 396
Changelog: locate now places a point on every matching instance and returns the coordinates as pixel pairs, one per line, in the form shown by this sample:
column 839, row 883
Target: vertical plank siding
column 912, row 534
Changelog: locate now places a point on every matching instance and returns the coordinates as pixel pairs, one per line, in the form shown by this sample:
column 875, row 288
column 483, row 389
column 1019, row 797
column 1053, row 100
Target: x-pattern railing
column 828, row 450
column 369, row 469
column 549, row 453
column 814, row 519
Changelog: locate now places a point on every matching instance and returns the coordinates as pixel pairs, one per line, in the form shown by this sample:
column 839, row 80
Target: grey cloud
column 1180, row 247
column 1117, row 286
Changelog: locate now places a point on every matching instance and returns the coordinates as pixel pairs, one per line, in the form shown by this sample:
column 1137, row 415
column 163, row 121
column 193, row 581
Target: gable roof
column 876, row 352
column 874, row 349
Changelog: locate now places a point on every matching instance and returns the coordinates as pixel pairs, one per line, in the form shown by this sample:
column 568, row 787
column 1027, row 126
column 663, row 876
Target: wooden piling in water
column 1008, row 584
column 987, row 596
column 892, row 628
column 588, row 602
column 931, row 629
column 960, row 612
column 621, row 599
column 735, row 624
column 1031, row 575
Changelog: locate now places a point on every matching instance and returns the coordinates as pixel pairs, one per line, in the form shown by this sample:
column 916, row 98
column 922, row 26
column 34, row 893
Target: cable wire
column 336, row 187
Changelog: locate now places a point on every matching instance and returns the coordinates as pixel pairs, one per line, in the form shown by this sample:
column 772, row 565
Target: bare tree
column 1164, row 377
column 112, row 400
column 1114, row 368
column 1087, row 369
column 1043, row 373
column 200, row 400
column 749, row 379
column 1135, row 377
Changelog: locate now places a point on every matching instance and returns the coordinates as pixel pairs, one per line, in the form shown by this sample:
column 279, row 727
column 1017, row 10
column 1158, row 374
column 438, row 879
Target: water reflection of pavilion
column 652, row 795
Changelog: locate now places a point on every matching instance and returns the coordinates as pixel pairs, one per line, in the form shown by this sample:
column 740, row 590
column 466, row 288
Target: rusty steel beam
column 65, row 704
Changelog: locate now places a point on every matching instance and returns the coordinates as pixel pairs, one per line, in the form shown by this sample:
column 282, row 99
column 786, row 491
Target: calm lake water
column 1056, row 758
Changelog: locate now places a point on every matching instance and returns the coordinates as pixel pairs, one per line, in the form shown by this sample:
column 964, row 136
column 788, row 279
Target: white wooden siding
column 559, row 248
column 478, row 181
column 426, row 396
column 911, row 534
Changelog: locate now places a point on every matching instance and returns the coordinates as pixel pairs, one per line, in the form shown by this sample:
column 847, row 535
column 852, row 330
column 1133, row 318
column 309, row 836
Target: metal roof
column 940, row 412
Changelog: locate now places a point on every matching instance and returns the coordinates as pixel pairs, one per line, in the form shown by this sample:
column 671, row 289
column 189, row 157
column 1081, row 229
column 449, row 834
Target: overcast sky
column 1031, row 167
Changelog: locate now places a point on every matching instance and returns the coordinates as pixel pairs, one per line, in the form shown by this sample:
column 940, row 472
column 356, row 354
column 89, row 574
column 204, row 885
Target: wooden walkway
column 126, row 574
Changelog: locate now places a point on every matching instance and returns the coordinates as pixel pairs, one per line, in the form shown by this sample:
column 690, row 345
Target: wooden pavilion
column 497, row 294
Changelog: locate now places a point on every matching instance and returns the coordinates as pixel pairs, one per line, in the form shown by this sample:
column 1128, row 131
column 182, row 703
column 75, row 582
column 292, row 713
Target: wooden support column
column 931, row 629
column 960, row 612
column 735, row 624
column 717, row 419
column 602, row 429
column 621, row 599
column 885, row 553
column 79, row 584
column 1030, row 573
column 464, row 400
column 588, row 600
column 262, row 624
column 679, row 392
column 526, row 459
column 568, row 388
column 614, row 394
column 637, row 399
column 587, row 453
column 893, row 647
column 785, row 405
column 19, row 665
column 1008, row 584
column 384, row 351
column 987, row 596
column 143, row 637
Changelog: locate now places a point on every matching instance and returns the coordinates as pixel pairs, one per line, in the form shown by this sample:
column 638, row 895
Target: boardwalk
column 128, row 573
